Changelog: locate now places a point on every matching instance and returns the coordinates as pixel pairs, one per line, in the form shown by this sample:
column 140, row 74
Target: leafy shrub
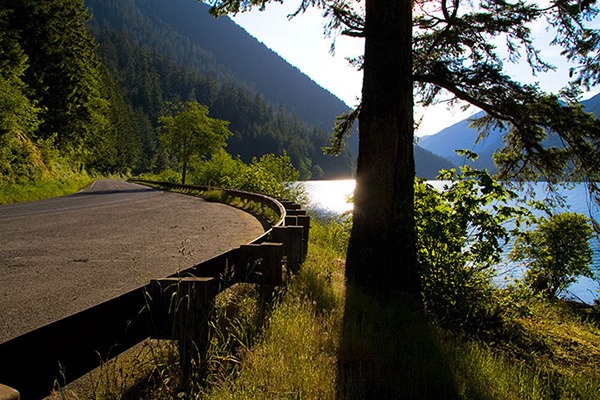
column 168, row 175
column 556, row 252
column 220, row 170
column 272, row 175
column 461, row 231
column 256, row 178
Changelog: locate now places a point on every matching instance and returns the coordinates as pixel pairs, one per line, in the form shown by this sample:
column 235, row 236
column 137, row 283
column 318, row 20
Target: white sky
column 302, row 43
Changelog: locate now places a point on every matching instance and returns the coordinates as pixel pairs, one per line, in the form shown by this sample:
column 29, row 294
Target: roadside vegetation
column 466, row 338
column 270, row 174
column 472, row 340
column 51, row 185
column 323, row 340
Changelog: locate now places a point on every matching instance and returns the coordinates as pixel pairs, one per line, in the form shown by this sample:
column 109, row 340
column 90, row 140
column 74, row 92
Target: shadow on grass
column 389, row 351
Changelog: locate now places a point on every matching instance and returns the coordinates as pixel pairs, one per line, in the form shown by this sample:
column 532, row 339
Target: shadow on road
column 114, row 191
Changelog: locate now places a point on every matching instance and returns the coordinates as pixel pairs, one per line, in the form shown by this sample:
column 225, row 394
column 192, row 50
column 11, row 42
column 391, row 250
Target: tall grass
column 482, row 373
column 328, row 341
column 323, row 340
column 295, row 357
column 65, row 184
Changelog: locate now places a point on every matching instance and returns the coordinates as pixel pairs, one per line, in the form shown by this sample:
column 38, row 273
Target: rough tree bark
column 382, row 252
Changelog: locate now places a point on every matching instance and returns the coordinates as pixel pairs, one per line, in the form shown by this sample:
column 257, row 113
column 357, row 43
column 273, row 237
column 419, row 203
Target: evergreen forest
column 84, row 84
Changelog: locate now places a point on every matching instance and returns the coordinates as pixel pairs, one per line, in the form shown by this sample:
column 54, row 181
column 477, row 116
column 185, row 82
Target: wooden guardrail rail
column 73, row 346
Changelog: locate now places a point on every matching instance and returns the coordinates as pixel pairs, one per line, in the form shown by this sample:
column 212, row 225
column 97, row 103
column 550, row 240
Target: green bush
column 461, row 231
column 555, row 253
column 219, row 171
column 272, row 175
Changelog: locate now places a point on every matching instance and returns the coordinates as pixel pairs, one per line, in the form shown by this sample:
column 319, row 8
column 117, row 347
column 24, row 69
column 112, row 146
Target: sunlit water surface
column 332, row 198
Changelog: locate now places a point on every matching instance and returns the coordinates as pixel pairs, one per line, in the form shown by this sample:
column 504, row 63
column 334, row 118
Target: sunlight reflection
column 330, row 196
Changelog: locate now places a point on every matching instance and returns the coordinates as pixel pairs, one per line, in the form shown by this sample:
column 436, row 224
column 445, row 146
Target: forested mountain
column 592, row 105
column 168, row 51
column 461, row 136
column 428, row 164
column 54, row 96
column 270, row 103
column 184, row 32
column 83, row 89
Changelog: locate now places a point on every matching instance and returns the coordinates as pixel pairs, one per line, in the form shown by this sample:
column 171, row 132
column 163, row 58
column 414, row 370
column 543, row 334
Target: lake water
column 333, row 198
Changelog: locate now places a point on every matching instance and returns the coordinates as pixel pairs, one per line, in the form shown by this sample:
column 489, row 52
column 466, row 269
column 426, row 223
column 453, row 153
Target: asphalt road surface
column 63, row 255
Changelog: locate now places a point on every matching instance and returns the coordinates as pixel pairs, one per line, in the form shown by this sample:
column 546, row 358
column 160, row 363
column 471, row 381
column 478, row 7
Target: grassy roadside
column 66, row 184
column 325, row 341
column 296, row 354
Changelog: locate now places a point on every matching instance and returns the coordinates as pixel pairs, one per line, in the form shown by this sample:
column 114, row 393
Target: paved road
column 62, row 255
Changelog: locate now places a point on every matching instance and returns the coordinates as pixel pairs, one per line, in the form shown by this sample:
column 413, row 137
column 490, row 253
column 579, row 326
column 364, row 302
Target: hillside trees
column 63, row 71
column 60, row 108
column 457, row 49
column 18, row 113
column 154, row 60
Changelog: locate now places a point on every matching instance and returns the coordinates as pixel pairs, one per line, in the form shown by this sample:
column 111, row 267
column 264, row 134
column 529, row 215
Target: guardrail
column 73, row 346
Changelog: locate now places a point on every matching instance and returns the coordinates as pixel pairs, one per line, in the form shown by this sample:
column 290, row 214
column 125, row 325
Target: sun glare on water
column 330, row 196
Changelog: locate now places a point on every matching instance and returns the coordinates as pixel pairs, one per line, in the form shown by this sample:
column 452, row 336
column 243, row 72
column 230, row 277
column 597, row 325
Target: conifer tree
column 452, row 47
column 19, row 158
column 63, row 72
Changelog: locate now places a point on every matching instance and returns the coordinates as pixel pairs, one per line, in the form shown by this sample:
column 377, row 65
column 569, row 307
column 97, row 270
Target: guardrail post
column 295, row 212
column 291, row 237
column 291, row 220
column 8, row 393
column 290, row 205
column 261, row 263
column 181, row 308
column 304, row 222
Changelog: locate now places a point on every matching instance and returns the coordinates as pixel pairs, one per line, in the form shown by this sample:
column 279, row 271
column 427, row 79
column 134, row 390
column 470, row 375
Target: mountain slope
column 155, row 63
column 592, row 105
column 168, row 51
column 192, row 37
column 428, row 164
column 461, row 136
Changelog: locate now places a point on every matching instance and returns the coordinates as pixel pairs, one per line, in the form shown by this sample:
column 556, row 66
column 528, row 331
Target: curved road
column 62, row 255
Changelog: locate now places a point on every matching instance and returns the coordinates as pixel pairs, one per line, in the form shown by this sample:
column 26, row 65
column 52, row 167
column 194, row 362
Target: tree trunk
column 382, row 252
column 184, row 170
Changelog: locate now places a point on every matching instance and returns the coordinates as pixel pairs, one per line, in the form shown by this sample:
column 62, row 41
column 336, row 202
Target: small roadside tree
column 189, row 132
column 555, row 253
column 462, row 229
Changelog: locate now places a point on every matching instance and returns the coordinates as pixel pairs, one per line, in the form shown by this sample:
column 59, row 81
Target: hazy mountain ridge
column 461, row 136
